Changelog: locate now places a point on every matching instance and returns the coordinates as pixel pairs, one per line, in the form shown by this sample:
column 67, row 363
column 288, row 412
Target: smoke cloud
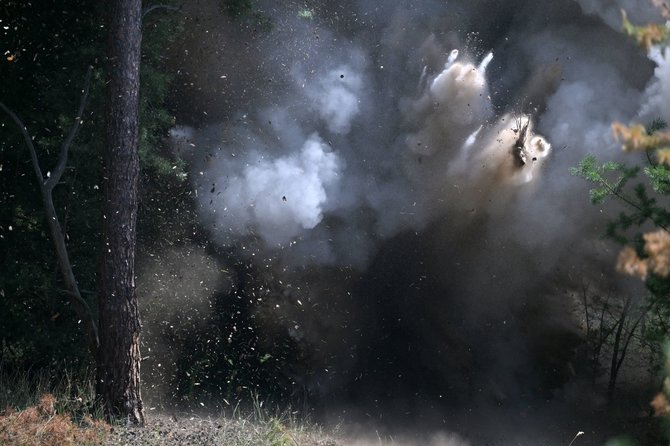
column 610, row 11
column 654, row 105
column 408, row 162
column 258, row 197
column 273, row 175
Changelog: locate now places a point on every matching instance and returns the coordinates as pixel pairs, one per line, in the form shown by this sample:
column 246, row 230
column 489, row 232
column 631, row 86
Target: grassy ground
column 43, row 409
column 241, row 431
column 40, row 425
column 40, row 409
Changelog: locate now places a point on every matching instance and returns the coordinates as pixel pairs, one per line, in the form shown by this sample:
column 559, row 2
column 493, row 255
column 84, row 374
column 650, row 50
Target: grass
column 73, row 391
column 260, row 425
column 239, row 428
column 43, row 408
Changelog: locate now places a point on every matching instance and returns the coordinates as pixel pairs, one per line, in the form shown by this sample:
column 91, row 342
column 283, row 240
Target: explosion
column 410, row 203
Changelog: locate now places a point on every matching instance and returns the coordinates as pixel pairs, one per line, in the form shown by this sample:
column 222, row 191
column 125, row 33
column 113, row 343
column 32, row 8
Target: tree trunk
column 118, row 374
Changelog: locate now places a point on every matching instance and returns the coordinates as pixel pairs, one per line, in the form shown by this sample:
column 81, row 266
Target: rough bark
column 119, row 324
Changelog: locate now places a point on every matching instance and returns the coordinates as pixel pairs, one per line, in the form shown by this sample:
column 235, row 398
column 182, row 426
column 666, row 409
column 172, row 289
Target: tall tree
column 118, row 371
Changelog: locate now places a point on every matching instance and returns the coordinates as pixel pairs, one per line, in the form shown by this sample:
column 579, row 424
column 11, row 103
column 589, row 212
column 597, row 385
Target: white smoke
column 336, row 98
column 610, row 11
column 463, row 148
column 656, row 104
column 245, row 189
column 452, row 107
column 390, row 158
column 374, row 127
column 277, row 198
column 439, row 439
column 280, row 197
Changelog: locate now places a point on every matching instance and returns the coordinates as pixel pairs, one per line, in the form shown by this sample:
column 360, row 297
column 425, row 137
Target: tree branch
column 65, row 148
column 46, row 188
column 614, row 190
column 29, row 143
column 628, row 338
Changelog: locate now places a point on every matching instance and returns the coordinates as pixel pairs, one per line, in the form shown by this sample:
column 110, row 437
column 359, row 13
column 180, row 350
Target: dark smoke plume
column 404, row 167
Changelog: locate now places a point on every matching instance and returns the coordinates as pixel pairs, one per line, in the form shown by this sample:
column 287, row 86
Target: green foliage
column 54, row 42
column 73, row 386
column 306, row 14
column 160, row 32
column 656, row 125
column 239, row 8
column 645, row 199
column 644, row 207
column 657, row 326
column 43, row 85
column 645, row 36
column 610, row 177
column 247, row 12
column 278, row 435
column 659, row 178
column 621, row 441
column 612, row 180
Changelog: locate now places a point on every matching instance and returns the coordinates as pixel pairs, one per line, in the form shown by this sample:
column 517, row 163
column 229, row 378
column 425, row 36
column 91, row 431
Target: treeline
column 47, row 49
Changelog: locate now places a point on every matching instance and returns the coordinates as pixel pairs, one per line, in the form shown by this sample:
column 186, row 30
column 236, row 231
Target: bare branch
column 65, row 148
column 29, row 143
column 585, row 300
column 629, row 336
column 46, row 188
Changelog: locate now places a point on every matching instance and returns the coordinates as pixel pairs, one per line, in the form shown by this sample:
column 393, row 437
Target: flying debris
column 485, row 62
column 521, row 131
column 422, row 79
column 427, row 234
column 456, row 131
column 451, row 59
column 473, row 137
column 306, row 14
column 511, row 151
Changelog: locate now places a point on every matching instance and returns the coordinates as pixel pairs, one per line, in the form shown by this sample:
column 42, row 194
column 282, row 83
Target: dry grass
column 43, row 425
column 64, row 415
column 40, row 425
column 73, row 389
column 170, row 430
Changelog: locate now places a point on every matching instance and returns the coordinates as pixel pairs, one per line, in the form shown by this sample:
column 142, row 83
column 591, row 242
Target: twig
column 578, row 434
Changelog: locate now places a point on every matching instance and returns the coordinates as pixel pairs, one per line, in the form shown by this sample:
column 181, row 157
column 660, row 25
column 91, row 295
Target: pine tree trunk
column 118, row 371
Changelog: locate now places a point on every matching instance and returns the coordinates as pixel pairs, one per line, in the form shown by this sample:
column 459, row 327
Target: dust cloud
column 400, row 172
